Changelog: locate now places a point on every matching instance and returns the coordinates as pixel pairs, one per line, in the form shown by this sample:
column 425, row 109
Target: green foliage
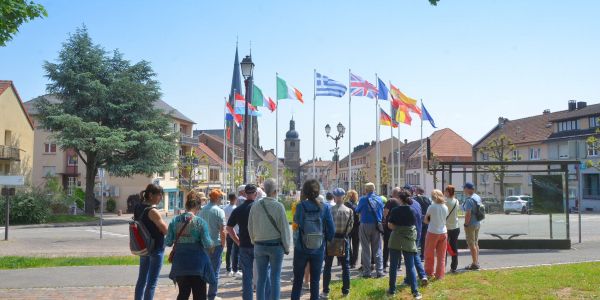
column 79, row 197
column 499, row 148
column 289, row 181
column 13, row 13
column 65, row 218
column 434, row 2
column 238, row 173
column 593, row 145
column 107, row 112
column 111, row 205
column 21, row 262
column 27, row 207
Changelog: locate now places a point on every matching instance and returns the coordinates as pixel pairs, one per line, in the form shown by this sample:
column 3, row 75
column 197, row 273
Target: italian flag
column 285, row 91
column 259, row 99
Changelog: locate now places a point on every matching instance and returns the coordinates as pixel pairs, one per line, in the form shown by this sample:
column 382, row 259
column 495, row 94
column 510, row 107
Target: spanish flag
column 410, row 103
column 386, row 120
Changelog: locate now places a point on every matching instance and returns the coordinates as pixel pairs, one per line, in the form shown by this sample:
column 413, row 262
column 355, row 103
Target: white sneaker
column 230, row 274
column 238, row 274
column 324, row 296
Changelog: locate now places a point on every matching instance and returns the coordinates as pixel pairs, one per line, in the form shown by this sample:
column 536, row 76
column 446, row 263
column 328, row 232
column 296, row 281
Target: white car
column 519, row 204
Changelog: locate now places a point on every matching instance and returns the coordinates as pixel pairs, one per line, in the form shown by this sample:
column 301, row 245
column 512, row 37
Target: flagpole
column 314, row 115
column 277, row 133
column 393, row 183
column 224, row 179
column 399, row 157
column 350, row 130
column 422, row 152
column 377, row 149
column 232, row 175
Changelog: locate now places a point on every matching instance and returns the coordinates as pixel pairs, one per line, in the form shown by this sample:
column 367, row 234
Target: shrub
column 111, row 205
column 27, row 207
column 79, row 197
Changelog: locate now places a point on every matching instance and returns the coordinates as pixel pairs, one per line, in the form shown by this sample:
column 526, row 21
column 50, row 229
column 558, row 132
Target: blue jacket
column 366, row 212
column 328, row 226
column 416, row 208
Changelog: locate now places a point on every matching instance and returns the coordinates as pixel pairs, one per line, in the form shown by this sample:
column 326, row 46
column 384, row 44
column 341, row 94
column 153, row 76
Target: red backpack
column 141, row 243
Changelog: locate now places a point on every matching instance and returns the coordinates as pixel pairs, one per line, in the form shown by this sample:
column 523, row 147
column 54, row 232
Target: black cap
column 250, row 188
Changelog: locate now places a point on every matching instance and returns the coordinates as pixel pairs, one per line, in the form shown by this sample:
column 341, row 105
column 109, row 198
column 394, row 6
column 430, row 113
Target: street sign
column 12, row 180
column 8, row 191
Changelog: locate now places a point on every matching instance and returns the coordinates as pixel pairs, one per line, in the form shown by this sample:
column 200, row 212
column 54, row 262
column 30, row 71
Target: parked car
column 520, row 204
column 492, row 205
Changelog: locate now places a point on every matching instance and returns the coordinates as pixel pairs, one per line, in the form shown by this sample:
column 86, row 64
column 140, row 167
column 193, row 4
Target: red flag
column 228, row 133
column 272, row 105
column 236, row 117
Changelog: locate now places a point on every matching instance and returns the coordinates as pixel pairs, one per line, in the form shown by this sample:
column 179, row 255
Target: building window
column 292, row 144
column 515, row 155
column 72, row 160
column 485, row 156
column 49, row 148
column 592, row 149
column 591, row 186
column 593, row 121
column 173, row 173
column 214, row 175
column 567, row 125
column 534, row 153
column 49, row 171
column 71, row 184
column 563, row 150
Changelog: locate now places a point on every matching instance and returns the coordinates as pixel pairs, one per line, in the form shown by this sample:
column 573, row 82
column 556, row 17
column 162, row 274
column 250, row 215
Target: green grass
column 288, row 214
column 573, row 281
column 70, row 218
column 21, row 262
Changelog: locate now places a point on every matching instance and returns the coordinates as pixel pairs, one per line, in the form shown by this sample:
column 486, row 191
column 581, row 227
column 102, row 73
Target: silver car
column 518, row 204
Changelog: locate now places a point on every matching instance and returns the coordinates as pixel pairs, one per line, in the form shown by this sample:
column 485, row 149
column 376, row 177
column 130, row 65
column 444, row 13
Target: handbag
column 337, row 246
column 262, row 204
column 379, row 225
column 172, row 254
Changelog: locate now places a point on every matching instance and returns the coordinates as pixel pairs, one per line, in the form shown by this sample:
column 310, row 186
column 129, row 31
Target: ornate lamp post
column 247, row 69
column 341, row 129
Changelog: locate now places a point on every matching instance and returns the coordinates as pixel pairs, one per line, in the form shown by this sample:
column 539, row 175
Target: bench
column 510, row 235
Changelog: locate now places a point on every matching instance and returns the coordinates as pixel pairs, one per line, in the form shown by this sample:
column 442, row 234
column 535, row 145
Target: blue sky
column 470, row 61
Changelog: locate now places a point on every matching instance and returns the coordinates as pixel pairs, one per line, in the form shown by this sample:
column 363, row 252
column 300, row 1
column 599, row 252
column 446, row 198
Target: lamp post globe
column 327, row 129
column 247, row 66
column 341, row 129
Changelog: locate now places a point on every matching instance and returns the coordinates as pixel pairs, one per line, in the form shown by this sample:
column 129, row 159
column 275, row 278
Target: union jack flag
column 362, row 88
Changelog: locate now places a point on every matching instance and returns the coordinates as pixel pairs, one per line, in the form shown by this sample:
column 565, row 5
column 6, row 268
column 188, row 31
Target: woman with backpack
column 452, row 226
column 150, row 265
column 188, row 234
column 315, row 226
column 436, row 239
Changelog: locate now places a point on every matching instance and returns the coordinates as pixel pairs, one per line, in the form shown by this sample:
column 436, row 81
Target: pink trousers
column 435, row 246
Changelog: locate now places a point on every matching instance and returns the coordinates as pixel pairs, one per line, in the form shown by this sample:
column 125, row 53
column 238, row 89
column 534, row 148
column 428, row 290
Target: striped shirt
column 341, row 214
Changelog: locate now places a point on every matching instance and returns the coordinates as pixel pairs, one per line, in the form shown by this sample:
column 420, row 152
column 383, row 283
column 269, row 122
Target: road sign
column 12, row 180
column 8, row 191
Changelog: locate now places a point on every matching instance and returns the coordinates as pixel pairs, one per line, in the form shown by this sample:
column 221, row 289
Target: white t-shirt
column 437, row 220
column 452, row 221
column 228, row 210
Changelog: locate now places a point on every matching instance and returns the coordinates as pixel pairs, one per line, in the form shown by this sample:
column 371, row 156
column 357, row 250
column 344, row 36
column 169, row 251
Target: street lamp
column 341, row 129
column 247, row 69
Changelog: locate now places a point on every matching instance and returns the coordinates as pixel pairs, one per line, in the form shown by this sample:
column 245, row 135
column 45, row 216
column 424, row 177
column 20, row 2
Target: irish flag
column 259, row 99
column 286, row 91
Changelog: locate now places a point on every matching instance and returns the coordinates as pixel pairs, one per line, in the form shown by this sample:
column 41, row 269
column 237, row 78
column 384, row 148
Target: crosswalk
column 104, row 232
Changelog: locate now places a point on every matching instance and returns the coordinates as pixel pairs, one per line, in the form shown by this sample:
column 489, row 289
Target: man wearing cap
column 239, row 217
column 214, row 217
column 471, row 224
column 343, row 218
column 370, row 208
column 270, row 233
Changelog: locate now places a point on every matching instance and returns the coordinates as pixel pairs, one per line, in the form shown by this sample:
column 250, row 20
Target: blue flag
column 326, row 86
column 383, row 90
column 425, row 116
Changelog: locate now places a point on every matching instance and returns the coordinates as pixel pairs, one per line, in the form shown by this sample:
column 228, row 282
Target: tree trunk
column 90, row 181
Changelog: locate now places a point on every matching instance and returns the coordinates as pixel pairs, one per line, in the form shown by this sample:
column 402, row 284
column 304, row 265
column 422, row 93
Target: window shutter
column 553, row 151
column 572, row 149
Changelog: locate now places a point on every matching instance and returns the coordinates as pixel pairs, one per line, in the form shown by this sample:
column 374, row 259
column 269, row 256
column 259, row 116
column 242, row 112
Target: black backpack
column 479, row 210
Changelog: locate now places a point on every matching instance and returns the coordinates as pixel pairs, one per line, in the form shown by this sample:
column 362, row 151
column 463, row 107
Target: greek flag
column 326, row 86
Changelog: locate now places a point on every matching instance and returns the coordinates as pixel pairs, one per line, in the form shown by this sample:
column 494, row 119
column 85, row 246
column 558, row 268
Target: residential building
column 321, row 174
column 50, row 160
column 445, row 146
column 16, row 134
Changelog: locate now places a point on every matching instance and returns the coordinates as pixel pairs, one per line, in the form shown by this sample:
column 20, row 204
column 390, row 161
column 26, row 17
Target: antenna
column 250, row 48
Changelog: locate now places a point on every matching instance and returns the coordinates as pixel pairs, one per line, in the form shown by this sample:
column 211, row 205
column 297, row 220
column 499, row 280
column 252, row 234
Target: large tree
column 13, row 13
column 107, row 112
column 499, row 148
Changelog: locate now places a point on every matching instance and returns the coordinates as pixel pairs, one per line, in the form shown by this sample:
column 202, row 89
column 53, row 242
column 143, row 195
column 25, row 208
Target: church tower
column 292, row 150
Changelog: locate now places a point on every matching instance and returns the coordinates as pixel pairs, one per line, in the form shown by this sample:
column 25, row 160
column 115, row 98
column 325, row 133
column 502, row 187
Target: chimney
column 501, row 121
column 581, row 105
column 572, row 105
column 405, row 141
column 546, row 111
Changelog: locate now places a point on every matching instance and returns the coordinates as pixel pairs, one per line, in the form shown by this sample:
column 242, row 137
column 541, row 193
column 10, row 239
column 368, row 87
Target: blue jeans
column 268, row 284
column 246, row 261
column 300, row 261
column 148, row 277
column 409, row 263
column 215, row 262
column 231, row 256
column 419, row 267
column 345, row 271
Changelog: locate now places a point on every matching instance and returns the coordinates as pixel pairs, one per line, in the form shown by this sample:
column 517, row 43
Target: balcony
column 188, row 140
column 9, row 153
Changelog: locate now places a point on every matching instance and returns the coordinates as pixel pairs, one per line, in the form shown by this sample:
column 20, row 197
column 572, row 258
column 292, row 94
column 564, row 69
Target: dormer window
column 593, row 121
column 567, row 125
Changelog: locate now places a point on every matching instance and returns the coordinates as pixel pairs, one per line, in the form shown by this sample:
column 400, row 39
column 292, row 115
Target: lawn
column 70, row 218
column 573, row 281
column 288, row 214
column 21, row 262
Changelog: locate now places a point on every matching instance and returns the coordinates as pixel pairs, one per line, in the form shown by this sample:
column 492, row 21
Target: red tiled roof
column 447, row 143
column 521, row 131
column 4, row 85
column 202, row 149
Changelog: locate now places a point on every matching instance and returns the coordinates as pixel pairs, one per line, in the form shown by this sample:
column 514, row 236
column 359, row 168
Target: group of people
column 254, row 229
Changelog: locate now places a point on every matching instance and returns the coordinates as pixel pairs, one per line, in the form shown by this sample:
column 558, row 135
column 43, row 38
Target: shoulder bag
column 187, row 221
column 337, row 246
column 262, row 204
column 379, row 226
